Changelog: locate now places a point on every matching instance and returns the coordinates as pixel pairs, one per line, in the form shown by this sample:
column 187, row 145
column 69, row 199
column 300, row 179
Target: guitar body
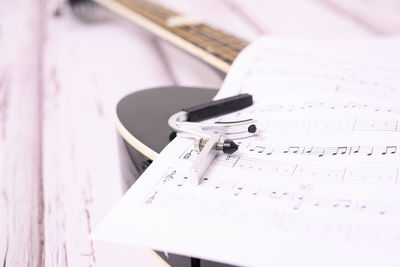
column 142, row 124
column 143, row 132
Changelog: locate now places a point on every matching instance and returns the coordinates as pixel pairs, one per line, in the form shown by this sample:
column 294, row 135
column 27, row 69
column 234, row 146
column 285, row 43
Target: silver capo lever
column 209, row 138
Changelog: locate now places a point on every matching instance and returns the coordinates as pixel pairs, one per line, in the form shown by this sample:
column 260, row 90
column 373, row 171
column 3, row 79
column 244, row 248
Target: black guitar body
column 144, row 114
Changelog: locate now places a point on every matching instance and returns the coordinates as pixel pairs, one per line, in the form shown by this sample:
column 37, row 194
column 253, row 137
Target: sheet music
column 317, row 186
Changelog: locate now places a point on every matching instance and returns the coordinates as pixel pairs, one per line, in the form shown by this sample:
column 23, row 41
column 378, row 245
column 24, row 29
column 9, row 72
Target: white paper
column 318, row 186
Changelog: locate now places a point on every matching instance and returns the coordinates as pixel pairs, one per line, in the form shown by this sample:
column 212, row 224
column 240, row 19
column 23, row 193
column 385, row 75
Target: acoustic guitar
column 143, row 115
column 141, row 140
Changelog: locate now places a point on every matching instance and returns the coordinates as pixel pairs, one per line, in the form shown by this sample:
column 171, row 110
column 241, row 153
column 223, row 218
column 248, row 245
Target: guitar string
column 214, row 45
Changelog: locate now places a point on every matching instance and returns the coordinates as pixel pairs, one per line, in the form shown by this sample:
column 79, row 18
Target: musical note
column 342, row 203
column 298, row 201
column 309, row 150
column 150, row 199
column 188, row 155
column 184, row 180
column 259, row 149
column 340, row 150
column 251, row 147
column 294, row 149
column 316, row 203
column 238, row 189
column 356, row 150
column 278, row 195
column 271, row 151
column 214, row 184
column 375, row 208
column 250, row 190
column 169, row 175
column 390, row 149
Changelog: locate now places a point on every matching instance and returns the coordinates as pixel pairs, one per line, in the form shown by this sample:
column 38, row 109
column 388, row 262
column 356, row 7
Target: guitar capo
column 211, row 137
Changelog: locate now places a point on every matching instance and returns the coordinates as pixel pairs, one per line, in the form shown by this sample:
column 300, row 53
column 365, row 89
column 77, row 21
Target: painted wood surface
column 60, row 79
column 21, row 192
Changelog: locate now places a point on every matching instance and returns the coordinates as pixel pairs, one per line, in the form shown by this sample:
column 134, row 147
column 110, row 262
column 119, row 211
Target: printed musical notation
column 304, row 197
column 300, row 78
column 285, row 125
column 317, row 106
column 375, row 175
column 282, row 200
column 280, row 210
column 324, row 151
column 301, row 73
column 337, row 125
column 272, row 197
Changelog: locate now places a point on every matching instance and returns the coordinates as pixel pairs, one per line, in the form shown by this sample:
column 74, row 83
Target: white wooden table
column 60, row 80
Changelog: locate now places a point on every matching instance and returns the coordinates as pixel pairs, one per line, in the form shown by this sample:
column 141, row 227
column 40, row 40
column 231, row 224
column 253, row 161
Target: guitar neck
column 215, row 47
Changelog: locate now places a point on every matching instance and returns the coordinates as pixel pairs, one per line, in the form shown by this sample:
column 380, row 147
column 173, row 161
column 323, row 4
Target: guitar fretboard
column 214, row 46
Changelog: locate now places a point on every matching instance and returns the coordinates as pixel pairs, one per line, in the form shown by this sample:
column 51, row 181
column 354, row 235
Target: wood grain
column 80, row 171
column 60, row 79
column 21, row 225
column 376, row 17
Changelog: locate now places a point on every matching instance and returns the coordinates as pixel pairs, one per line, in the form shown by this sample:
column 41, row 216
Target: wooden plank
column 301, row 19
column 378, row 17
column 20, row 121
column 84, row 76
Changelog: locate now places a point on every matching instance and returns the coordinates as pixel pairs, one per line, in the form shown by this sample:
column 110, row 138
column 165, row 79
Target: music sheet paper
column 318, row 186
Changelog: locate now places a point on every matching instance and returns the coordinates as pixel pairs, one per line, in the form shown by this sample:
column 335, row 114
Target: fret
column 212, row 45
column 161, row 13
column 140, row 8
column 212, row 38
column 215, row 37
column 230, row 39
column 153, row 8
column 230, row 42
column 158, row 8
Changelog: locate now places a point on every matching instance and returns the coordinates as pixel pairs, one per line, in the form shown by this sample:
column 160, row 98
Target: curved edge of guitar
column 163, row 33
column 160, row 259
column 134, row 142
column 145, row 150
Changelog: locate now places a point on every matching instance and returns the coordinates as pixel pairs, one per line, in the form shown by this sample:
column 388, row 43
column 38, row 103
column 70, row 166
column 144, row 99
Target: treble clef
column 169, row 175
